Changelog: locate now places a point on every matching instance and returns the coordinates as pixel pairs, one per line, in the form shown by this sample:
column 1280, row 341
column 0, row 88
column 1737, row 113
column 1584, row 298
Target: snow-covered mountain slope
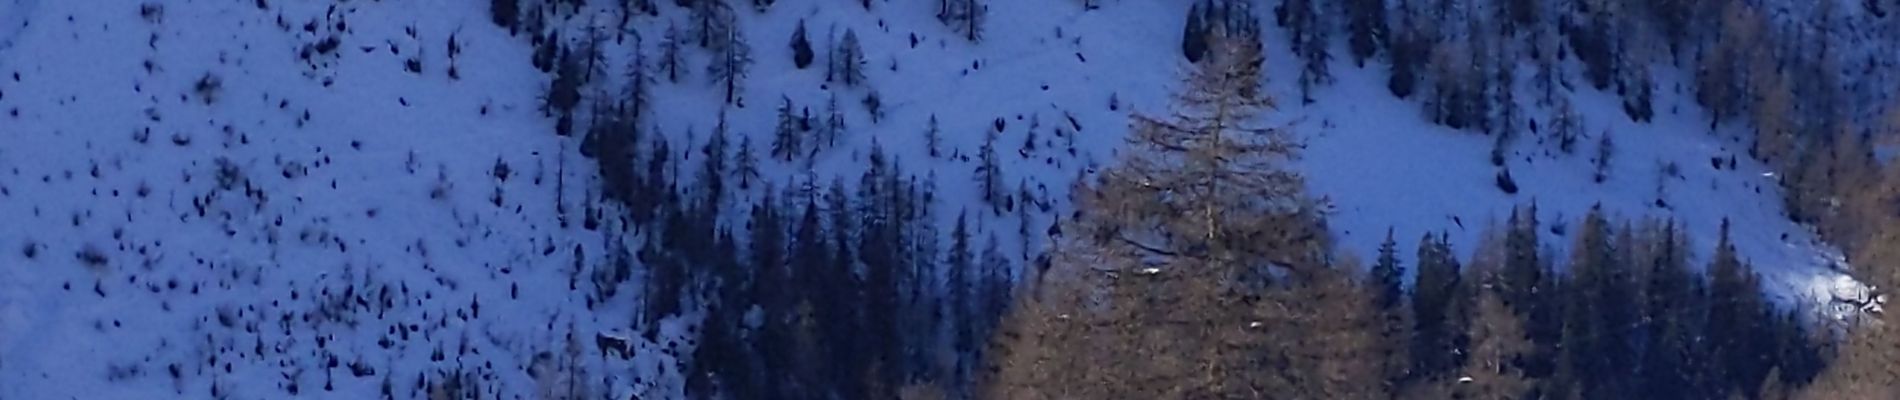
column 1375, row 156
column 199, row 201
column 313, row 228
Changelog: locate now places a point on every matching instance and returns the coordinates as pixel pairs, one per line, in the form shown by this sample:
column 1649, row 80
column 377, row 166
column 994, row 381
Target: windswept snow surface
column 361, row 220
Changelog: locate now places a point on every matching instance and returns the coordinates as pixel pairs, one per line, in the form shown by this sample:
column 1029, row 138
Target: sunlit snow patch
column 1840, row 297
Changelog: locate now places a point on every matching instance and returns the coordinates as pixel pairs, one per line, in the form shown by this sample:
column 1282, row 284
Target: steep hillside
column 196, row 210
column 252, row 199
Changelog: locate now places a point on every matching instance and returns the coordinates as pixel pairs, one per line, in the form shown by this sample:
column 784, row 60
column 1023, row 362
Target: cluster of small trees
column 847, row 291
column 838, row 293
column 1209, row 20
column 1462, row 54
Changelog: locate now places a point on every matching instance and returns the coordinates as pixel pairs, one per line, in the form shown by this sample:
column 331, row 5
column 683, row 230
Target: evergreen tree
column 880, row 251
column 833, row 127
column 989, row 174
column 1521, row 14
column 658, row 174
column 1592, row 40
column 1733, row 326
column 615, row 144
column 564, row 92
column 844, row 313
column 1309, row 34
column 960, row 264
column 1670, row 360
column 670, row 57
column 964, row 16
column 1532, row 289
column 1025, row 217
column 732, row 59
column 1545, row 52
column 1409, row 50
column 1388, row 301
column 1567, row 125
column 748, row 164
column 713, row 170
column 1388, row 276
column 1436, row 338
column 1454, row 85
column 1605, row 148
column 1194, row 35
column 811, row 261
column 850, row 58
column 926, row 322
column 719, row 362
column 1367, row 25
column 637, row 96
column 786, row 141
column 801, row 47
column 1507, row 116
column 712, row 20
column 1029, row 141
column 1600, row 317
column 933, row 138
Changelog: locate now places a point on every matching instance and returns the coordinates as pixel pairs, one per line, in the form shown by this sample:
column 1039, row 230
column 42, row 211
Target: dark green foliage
column 505, row 13
column 1194, row 36
column 964, row 16
column 564, row 92
column 801, row 47
column 732, row 60
column 670, row 58
column 1606, row 148
column 989, row 174
column 1506, row 183
column 1366, row 26
column 1738, row 340
column 748, row 164
column 1438, row 306
column 713, row 170
column 1310, row 37
column 1600, row 311
column 614, row 142
column 787, row 142
column 933, row 138
column 1407, row 54
column 850, row 59
column 1592, row 42
column 1388, row 275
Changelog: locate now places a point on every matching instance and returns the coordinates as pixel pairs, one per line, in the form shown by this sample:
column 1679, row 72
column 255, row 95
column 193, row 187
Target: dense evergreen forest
column 1197, row 266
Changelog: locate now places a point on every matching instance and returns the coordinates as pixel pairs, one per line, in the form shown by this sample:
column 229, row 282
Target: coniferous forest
column 1196, row 266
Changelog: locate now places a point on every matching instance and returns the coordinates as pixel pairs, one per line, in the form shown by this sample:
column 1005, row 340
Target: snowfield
column 190, row 208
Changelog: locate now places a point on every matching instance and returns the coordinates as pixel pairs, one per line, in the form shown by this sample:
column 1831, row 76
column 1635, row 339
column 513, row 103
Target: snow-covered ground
column 357, row 232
